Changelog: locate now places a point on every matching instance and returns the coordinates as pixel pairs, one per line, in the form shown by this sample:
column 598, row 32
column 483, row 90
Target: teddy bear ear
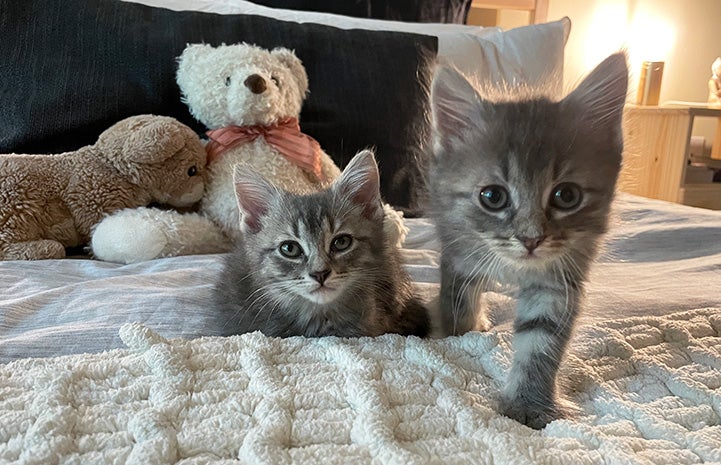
column 289, row 59
column 188, row 61
column 192, row 51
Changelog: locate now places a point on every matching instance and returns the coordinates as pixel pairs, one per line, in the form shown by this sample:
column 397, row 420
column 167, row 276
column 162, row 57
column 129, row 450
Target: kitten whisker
column 269, row 293
column 472, row 277
column 296, row 243
column 495, row 162
column 237, row 312
column 567, row 315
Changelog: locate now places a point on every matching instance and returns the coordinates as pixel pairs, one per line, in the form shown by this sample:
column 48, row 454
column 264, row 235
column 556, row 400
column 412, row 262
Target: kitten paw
column 532, row 415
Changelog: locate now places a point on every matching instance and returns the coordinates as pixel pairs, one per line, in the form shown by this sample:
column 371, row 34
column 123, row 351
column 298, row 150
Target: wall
column 687, row 35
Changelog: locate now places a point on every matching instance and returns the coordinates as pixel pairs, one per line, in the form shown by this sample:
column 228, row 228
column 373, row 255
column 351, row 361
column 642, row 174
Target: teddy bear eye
column 227, row 81
column 275, row 80
column 192, row 171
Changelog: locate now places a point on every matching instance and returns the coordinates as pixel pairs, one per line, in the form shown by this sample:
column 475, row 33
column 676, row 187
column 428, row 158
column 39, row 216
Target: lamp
column 651, row 39
column 649, row 83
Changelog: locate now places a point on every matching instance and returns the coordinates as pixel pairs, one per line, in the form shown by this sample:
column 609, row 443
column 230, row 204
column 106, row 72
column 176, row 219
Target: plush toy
column 714, row 84
column 250, row 99
column 50, row 202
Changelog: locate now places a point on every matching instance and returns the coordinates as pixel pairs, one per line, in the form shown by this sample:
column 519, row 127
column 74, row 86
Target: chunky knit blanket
column 647, row 391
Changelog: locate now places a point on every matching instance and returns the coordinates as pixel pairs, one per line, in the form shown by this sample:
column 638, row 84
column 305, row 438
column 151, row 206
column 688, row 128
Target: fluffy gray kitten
column 316, row 264
column 521, row 193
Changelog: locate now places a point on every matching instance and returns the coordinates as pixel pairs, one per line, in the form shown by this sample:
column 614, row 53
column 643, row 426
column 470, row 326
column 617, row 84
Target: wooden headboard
column 538, row 9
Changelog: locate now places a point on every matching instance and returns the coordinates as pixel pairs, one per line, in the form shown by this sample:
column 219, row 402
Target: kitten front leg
column 542, row 328
column 459, row 304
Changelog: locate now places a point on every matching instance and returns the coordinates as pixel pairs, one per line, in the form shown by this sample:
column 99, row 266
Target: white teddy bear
column 250, row 99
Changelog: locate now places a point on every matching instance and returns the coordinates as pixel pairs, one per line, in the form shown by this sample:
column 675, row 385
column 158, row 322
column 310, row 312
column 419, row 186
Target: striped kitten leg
column 459, row 302
column 543, row 326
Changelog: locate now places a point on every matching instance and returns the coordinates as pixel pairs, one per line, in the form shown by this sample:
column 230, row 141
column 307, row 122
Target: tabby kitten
column 316, row 264
column 521, row 192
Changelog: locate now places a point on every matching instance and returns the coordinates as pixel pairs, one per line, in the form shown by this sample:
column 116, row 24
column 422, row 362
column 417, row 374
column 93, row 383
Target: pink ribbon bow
column 285, row 137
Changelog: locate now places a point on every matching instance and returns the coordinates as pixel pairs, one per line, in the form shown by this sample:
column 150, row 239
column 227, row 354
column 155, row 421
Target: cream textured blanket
column 648, row 391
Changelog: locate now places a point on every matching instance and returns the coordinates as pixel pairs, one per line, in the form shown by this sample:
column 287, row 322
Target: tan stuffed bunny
column 50, row 202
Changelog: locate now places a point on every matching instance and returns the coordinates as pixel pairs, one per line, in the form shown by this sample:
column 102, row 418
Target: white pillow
column 528, row 55
column 342, row 22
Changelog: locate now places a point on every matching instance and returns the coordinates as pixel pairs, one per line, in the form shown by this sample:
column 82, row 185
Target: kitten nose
column 255, row 83
column 320, row 276
column 531, row 243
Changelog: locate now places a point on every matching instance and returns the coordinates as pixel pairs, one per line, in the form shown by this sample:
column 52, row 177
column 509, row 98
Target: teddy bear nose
column 255, row 83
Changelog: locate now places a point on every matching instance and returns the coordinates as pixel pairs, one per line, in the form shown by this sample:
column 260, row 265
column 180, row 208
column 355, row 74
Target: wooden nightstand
column 656, row 153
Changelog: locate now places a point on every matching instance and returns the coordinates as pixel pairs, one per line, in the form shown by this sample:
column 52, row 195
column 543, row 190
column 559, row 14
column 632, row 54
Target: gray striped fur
column 367, row 292
column 529, row 148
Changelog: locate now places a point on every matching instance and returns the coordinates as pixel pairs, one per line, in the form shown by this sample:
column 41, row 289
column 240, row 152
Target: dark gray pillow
column 71, row 68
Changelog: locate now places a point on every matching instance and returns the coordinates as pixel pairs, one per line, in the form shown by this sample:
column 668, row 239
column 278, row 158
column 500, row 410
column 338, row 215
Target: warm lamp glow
column 650, row 38
column 635, row 27
column 607, row 32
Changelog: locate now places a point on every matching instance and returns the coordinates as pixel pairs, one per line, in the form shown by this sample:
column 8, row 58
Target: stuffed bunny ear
column 360, row 183
column 144, row 139
column 291, row 60
column 254, row 196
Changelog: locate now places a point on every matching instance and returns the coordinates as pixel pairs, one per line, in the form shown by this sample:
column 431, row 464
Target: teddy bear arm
column 394, row 227
column 328, row 167
column 134, row 235
column 92, row 213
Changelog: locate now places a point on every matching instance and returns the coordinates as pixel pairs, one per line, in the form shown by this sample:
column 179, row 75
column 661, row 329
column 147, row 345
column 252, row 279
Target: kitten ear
column 360, row 182
column 455, row 105
column 254, row 195
column 600, row 97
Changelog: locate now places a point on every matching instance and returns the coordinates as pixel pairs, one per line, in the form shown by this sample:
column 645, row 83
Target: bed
column 110, row 363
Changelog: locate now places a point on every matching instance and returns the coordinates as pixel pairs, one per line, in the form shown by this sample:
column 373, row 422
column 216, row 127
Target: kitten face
column 525, row 184
column 316, row 256
column 318, row 264
column 315, row 247
column 529, row 193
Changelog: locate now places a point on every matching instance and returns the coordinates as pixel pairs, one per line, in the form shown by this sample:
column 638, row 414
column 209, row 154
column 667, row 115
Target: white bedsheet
column 660, row 258
column 648, row 392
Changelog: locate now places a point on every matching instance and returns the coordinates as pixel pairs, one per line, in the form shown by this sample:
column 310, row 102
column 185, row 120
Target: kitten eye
column 290, row 249
column 494, row 198
column 566, row 196
column 227, row 81
column 341, row 243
